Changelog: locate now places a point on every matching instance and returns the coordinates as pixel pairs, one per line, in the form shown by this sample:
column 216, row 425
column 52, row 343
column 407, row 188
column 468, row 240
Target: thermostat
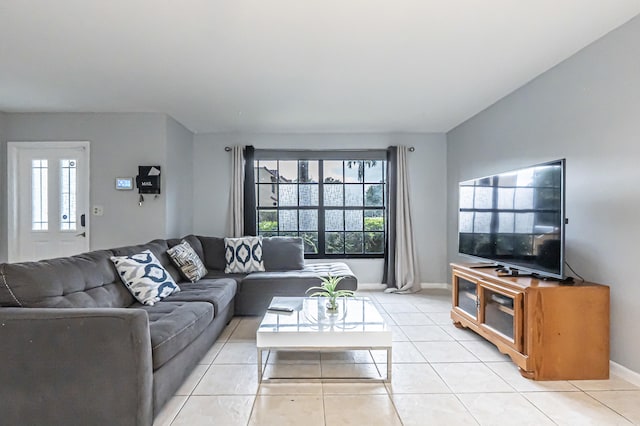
column 124, row 183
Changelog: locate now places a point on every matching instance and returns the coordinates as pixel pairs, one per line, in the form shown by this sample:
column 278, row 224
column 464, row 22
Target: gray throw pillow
column 283, row 253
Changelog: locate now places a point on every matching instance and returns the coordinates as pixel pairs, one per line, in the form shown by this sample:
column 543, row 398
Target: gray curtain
column 235, row 224
column 401, row 273
column 249, row 192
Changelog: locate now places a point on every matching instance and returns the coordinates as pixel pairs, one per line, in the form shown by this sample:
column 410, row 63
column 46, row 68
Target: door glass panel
column 68, row 187
column 39, row 195
column 498, row 312
column 467, row 296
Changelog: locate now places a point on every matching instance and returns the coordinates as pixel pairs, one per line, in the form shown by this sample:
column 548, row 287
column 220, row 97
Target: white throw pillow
column 145, row 277
column 243, row 255
column 188, row 261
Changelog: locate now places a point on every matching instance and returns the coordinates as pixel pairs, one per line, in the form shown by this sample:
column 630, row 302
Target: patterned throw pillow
column 243, row 255
column 188, row 261
column 145, row 277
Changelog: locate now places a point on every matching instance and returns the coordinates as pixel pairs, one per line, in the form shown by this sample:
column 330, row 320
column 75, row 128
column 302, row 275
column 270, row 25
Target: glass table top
column 355, row 315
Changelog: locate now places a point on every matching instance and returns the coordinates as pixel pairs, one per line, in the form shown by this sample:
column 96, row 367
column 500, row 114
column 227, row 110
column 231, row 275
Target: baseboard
column 371, row 286
column 435, row 285
column 624, row 373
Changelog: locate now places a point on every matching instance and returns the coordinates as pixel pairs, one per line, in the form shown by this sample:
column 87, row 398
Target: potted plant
column 328, row 289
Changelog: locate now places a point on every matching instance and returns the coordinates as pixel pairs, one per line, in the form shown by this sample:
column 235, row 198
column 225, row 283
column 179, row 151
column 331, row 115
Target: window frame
column 320, row 156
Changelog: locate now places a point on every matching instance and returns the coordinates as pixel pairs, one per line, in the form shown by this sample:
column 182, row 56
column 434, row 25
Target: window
column 336, row 205
column 39, row 195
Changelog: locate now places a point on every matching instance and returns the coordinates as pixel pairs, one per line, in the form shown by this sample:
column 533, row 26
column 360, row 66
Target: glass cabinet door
column 500, row 311
column 466, row 295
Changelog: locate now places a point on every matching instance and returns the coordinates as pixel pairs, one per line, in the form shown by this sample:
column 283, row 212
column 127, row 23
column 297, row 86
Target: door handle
column 82, row 220
column 83, row 234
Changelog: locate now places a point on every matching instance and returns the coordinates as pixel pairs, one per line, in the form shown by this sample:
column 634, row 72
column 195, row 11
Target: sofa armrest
column 75, row 366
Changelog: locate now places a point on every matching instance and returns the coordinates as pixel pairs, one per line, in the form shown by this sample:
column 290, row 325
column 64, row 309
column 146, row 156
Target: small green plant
column 328, row 289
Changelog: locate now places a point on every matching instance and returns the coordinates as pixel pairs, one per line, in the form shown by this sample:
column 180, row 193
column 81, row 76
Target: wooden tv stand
column 550, row 330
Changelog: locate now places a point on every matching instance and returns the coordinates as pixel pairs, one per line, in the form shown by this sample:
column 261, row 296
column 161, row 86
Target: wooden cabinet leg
column 526, row 374
column 458, row 324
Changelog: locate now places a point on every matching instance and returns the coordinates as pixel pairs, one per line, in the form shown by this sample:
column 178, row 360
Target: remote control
column 280, row 309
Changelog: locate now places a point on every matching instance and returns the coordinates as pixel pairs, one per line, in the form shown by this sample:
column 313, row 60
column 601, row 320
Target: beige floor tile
column 212, row 353
column 503, row 408
column 392, row 308
column 460, row 334
column 434, row 306
column 574, row 408
column 432, row 409
column 296, row 371
column 509, row 372
column 411, row 318
column 359, row 410
column 444, row 352
column 415, row 378
column 387, row 319
column 246, row 329
column 485, row 351
column 220, row 410
column 237, row 353
column 397, row 335
column 228, row 380
column 346, row 357
column 440, row 318
column 353, row 388
column 290, row 388
column 425, row 333
column 626, row 403
column 471, row 377
column 224, row 336
column 613, row 383
column 339, row 371
column 192, row 380
column 283, row 410
column 170, row 411
column 292, row 357
column 401, row 352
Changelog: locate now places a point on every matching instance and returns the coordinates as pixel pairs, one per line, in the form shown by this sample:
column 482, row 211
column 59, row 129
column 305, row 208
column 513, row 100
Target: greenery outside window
column 337, row 206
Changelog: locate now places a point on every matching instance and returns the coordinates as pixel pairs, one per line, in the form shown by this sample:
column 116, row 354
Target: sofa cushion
column 218, row 292
column 243, row 255
column 87, row 280
column 188, row 261
column 159, row 250
column 283, row 253
column 174, row 325
column 145, row 277
column 193, row 241
column 213, row 253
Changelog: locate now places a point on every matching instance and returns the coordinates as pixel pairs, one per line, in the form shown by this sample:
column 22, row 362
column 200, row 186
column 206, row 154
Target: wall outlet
column 97, row 210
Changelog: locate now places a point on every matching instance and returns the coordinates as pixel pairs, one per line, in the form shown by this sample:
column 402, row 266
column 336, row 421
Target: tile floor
column 441, row 376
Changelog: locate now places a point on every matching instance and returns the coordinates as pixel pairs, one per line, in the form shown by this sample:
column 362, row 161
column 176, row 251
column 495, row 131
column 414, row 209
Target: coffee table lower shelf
column 387, row 379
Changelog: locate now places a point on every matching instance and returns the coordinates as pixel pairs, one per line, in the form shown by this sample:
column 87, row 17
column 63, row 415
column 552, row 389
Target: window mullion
column 321, row 224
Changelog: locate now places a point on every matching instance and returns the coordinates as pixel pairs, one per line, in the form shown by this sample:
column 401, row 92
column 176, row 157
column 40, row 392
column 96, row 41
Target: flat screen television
column 516, row 219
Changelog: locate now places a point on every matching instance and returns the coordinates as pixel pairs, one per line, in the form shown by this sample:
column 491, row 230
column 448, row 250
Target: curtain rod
column 228, row 149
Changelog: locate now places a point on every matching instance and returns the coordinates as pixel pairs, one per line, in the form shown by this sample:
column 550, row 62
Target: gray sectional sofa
column 77, row 348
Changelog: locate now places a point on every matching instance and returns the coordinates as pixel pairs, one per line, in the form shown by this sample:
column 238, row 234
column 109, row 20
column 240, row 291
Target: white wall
column 178, row 193
column 212, row 173
column 586, row 109
column 3, row 188
column 119, row 143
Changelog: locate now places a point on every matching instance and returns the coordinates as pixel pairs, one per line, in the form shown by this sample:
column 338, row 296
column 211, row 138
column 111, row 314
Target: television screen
column 516, row 218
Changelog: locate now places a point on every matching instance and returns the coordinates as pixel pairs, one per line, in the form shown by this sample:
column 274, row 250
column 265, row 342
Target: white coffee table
column 357, row 326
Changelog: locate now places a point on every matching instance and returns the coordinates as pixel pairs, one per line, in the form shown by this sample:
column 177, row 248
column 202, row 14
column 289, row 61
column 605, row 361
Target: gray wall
column 212, row 174
column 587, row 110
column 3, row 188
column 178, row 193
column 119, row 143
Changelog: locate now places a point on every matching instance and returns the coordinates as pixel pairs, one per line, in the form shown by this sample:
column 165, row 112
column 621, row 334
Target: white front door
column 48, row 199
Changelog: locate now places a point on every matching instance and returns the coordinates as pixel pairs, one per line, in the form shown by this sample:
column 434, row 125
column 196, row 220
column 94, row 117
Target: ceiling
column 289, row 65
